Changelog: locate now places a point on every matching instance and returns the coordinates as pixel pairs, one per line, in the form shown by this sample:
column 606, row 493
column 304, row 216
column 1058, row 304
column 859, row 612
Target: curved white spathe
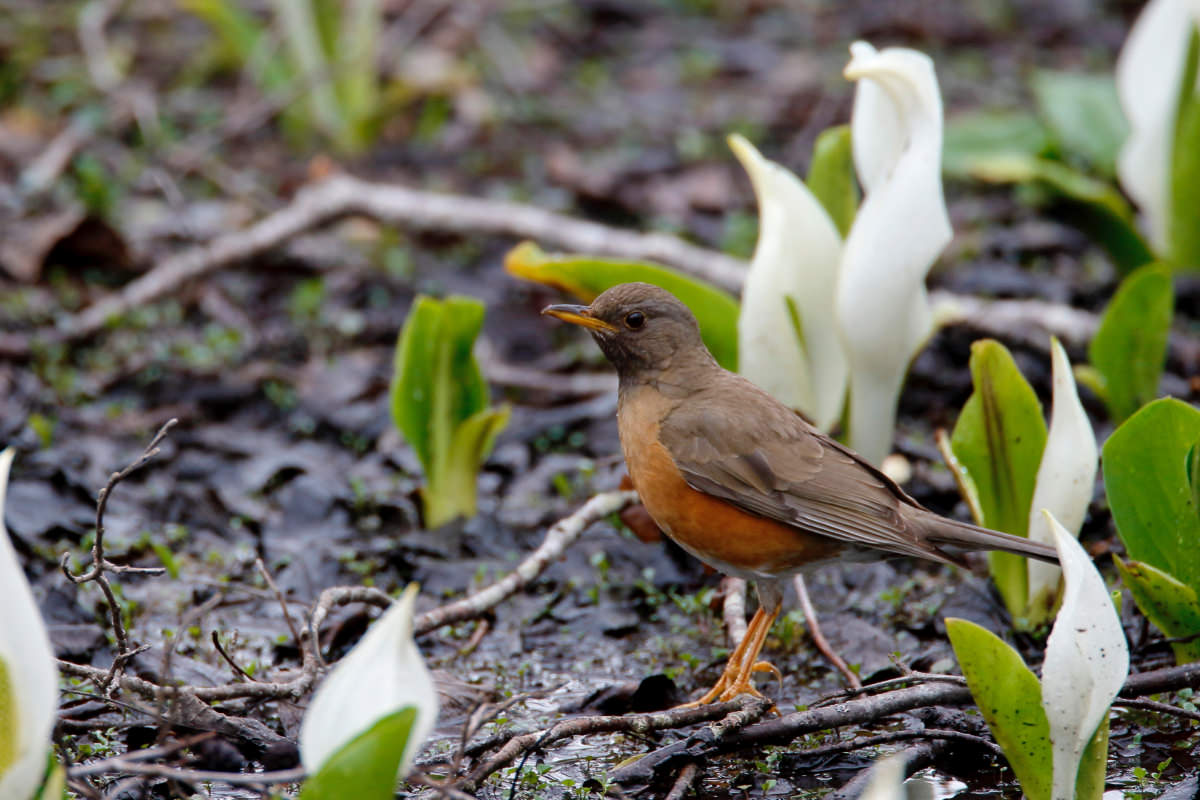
column 1087, row 660
column 1148, row 74
column 797, row 256
column 1065, row 478
column 887, row 779
column 380, row 675
column 28, row 676
column 882, row 309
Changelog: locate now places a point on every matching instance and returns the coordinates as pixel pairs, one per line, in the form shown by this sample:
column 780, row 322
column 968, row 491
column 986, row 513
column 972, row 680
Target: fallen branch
column 344, row 195
column 660, row 763
column 101, row 565
column 640, row 724
column 561, row 535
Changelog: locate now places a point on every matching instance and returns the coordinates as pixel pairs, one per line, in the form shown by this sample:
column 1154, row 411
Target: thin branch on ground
column 558, row 538
column 687, row 778
column 891, row 737
column 216, row 641
column 639, row 724
column 343, row 195
column 1157, row 707
column 561, row 535
column 122, row 764
column 101, row 565
column 658, row 764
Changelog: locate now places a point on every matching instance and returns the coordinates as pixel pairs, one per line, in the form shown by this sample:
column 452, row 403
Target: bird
column 740, row 480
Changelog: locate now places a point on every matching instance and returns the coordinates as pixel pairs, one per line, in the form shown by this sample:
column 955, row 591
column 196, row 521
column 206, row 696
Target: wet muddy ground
column 278, row 368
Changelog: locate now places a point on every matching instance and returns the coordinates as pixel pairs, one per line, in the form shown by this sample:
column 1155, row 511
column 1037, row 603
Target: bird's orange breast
column 709, row 528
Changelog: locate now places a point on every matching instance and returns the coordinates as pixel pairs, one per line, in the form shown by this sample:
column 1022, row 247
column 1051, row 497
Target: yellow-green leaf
column 998, row 441
column 1170, row 605
column 1183, row 224
column 1092, row 205
column 1083, row 113
column 978, row 136
column 1130, row 346
column 587, row 276
column 365, row 768
column 831, row 176
column 1010, row 698
column 1145, row 474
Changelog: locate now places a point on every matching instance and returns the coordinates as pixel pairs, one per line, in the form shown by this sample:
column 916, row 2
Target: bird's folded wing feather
column 771, row 463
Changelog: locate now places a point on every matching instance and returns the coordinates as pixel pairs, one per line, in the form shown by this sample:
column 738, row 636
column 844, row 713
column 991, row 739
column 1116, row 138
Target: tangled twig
column 101, row 565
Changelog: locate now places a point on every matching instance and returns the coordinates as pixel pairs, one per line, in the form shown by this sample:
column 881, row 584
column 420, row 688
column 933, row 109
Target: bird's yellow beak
column 579, row 315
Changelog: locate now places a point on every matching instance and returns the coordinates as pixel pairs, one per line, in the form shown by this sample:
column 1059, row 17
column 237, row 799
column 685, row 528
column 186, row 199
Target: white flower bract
column 1087, row 659
column 881, row 307
column 797, row 257
column 1065, row 478
column 381, row 675
column 1149, row 71
column 28, row 675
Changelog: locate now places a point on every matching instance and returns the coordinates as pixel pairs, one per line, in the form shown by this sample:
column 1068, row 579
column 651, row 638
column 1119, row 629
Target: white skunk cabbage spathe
column 1065, row 478
column 797, row 257
column 381, row 675
column 887, row 779
column 1087, row 660
column 1149, row 71
column 882, row 309
column 28, row 674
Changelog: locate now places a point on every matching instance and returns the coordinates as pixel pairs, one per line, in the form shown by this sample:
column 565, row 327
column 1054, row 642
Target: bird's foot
column 733, row 684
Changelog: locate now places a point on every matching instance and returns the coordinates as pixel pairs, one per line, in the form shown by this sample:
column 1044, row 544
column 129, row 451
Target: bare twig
column 891, row 737
column 818, row 637
column 216, row 640
column 658, row 764
column 344, row 195
column 106, row 764
column 560, row 536
column 1156, row 706
column 687, row 777
column 122, row 764
column 581, row 726
column 101, row 565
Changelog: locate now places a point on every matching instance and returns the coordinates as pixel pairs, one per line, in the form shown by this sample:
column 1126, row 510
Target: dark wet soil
column 278, row 369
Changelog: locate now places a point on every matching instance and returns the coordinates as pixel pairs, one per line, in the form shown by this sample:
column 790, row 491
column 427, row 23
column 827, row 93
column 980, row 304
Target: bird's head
column 641, row 328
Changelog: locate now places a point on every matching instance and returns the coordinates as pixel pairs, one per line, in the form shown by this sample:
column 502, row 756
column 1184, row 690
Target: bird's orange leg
column 742, row 662
column 750, row 663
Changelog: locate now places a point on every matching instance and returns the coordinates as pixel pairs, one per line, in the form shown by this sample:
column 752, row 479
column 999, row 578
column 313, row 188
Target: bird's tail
column 963, row 535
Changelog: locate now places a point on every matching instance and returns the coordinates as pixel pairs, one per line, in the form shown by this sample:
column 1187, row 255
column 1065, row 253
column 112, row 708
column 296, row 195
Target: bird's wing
column 766, row 460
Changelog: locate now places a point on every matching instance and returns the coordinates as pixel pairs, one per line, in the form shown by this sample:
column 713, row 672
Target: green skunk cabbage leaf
column 587, row 276
column 451, row 491
column 1010, row 698
column 438, row 392
column 1183, row 224
column 978, row 136
column 1092, row 205
column 998, row 442
column 1192, row 468
column 1170, row 605
column 831, row 176
column 365, row 768
column 1083, row 114
column 437, row 383
column 1130, row 346
column 1145, row 474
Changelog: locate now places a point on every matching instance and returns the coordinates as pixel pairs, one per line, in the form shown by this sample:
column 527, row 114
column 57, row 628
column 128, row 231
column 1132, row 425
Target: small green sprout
column 439, row 402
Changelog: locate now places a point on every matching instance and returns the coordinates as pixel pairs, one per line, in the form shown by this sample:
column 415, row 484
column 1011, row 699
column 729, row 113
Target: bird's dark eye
column 635, row 320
